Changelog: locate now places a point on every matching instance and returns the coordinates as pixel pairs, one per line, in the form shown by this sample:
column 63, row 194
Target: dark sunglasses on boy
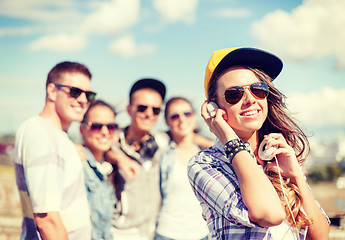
column 76, row 92
column 97, row 127
column 142, row 108
column 177, row 116
column 234, row 94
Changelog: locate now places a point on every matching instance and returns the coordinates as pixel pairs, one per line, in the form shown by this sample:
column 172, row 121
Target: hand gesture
column 217, row 124
column 285, row 154
column 128, row 167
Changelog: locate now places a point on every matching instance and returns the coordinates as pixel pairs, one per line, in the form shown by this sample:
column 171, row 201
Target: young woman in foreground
column 242, row 196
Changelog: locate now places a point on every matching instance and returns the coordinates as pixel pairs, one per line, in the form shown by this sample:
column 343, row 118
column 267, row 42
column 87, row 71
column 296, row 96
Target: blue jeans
column 160, row 237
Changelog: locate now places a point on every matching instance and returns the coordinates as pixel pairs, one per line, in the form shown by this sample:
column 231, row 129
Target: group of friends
column 137, row 183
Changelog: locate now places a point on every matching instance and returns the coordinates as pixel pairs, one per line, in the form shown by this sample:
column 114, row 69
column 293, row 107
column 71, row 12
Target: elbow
column 268, row 218
column 320, row 231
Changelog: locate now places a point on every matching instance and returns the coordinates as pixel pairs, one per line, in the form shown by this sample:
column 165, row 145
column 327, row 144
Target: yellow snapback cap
column 252, row 57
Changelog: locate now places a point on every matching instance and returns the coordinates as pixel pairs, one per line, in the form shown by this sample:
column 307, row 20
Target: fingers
column 209, row 110
column 134, row 168
column 218, row 124
column 130, row 169
column 275, row 139
column 204, row 112
column 130, row 173
column 284, row 151
column 206, row 115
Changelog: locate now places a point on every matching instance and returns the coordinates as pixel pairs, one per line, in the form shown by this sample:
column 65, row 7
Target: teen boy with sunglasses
column 139, row 198
column 48, row 169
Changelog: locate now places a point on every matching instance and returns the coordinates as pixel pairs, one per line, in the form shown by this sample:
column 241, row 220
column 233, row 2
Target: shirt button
column 227, row 205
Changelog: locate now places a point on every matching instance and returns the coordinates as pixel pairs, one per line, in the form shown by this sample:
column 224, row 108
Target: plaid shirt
column 215, row 184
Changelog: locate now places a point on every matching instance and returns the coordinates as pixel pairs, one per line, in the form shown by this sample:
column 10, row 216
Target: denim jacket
column 101, row 197
column 167, row 162
column 168, row 159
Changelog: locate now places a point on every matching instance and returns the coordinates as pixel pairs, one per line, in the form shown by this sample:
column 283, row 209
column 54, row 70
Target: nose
column 182, row 117
column 149, row 111
column 104, row 129
column 82, row 98
column 248, row 96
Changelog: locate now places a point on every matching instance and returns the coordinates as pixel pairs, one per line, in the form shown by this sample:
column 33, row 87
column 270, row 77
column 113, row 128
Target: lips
column 104, row 140
column 78, row 108
column 250, row 113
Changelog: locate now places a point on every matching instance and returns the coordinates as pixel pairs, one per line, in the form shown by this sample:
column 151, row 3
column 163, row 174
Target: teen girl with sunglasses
column 98, row 132
column 180, row 213
column 243, row 196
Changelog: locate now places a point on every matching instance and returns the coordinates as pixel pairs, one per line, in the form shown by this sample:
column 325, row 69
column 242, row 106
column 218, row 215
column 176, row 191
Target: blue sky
column 124, row 40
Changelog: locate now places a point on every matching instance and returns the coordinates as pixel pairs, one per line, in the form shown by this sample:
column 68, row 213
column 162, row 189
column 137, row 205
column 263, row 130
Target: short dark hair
column 63, row 67
column 150, row 83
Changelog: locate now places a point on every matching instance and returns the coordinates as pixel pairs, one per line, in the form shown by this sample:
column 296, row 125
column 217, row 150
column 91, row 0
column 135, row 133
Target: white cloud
column 40, row 10
column 89, row 17
column 321, row 108
column 17, row 31
column 128, row 48
column 176, row 10
column 40, row 16
column 112, row 17
column 59, row 42
column 314, row 29
column 232, row 13
column 65, row 25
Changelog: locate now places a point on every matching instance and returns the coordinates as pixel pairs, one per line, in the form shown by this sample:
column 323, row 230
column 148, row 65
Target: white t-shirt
column 50, row 177
column 284, row 231
column 181, row 215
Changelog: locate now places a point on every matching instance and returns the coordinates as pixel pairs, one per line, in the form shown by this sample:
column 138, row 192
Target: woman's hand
column 217, row 124
column 285, row 154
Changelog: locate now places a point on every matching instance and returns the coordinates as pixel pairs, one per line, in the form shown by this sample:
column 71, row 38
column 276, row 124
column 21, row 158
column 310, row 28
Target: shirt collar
column 103, row 167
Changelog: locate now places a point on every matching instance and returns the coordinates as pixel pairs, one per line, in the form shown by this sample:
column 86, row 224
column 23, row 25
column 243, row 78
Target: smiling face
column 248, row 115
column 180, row 118
column 143, row 120
column 68, row 108
column 98, row 140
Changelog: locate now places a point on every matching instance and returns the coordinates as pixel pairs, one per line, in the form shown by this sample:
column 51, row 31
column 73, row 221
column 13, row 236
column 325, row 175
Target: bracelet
column 233, row 147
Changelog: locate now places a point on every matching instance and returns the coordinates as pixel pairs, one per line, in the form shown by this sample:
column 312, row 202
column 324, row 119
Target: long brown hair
column 278, row 121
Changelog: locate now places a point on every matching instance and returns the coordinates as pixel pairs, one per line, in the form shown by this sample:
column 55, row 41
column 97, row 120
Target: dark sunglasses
column 234, row 94
column 96, row 127
column 177, row 116
column 142, row 108
column 76, row 92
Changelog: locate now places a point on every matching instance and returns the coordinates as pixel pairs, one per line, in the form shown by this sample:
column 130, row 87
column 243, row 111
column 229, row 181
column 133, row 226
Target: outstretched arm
column 50, row 226
column 125, row 164
column 203, row 141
